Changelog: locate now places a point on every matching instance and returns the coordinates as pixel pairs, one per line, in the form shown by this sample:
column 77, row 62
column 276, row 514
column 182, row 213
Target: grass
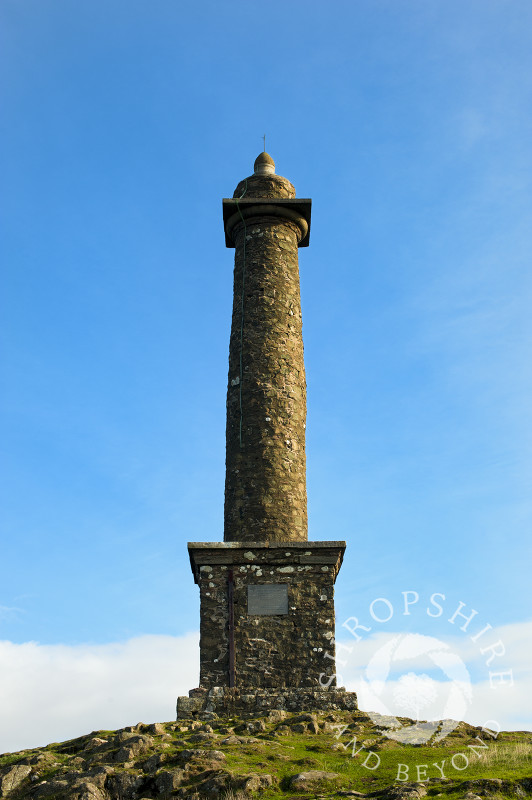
column 509, row 755
column 507, row 759
column 377, row 763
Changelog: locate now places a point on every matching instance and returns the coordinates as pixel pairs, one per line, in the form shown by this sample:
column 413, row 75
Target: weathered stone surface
column 49, row 789
column 232, row 740
column 85, row 790
column 168, row 780
column 96, row 743
column 188, row 707
column 314, row 778
column 98, row 775
column 152, row 763
column 214, row 785
column 255, row 726
column 265, row 489
column 156, row 729
column 262, row 701
column 201, row 736
column 132, row 746
column 305, row 718
column 266, row 186
column 298, row 727
column 271, row 651
column 253, row 782
column 13, row 778
column 276, row 715
column 124, row 784
column 212, row 755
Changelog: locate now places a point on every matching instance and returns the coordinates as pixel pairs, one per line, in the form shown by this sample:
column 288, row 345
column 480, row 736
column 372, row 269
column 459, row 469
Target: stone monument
column 266, row 592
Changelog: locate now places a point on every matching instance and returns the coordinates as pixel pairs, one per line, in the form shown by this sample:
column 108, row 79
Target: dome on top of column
column 264, row 182
column 264, row 164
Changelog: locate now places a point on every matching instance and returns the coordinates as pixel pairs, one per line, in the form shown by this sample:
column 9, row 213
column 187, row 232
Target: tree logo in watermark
column 444, row 701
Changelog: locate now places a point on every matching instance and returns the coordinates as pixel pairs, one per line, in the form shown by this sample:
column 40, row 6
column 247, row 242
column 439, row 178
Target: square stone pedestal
column 267, row 621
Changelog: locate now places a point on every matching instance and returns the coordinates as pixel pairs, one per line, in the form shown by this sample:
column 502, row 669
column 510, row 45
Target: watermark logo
column 443, row 702
column 421, row 676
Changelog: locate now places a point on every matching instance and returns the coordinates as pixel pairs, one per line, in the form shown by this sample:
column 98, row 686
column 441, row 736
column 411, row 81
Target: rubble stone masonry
column 265, row 490
column 272, row 650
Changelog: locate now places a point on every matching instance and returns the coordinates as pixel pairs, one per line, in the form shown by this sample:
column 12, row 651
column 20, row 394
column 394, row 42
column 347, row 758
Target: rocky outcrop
column 277, row 754
column 13, row 778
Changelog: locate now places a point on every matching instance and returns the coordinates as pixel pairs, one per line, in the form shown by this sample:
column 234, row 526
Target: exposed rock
column 232, row 740
column 305, row 718
column 168, row 780
column 253, row 782
column 173, row 769
column 132, row 747
column 98, row 775
column 406, row 791
column 45, row 759
column 201, row 736
column 213, row 755
column 156, row 729
column 87, row 791
column 140, row 741
column 255, row 726
column 276, row 715
column 491, row 784
column 298, row 728
column 13, row 778
column 307, row 781
column 96, row 743
column 124, row 785
column 304, row 723
column 215, row 785
column 49, row 789
column 152, row 763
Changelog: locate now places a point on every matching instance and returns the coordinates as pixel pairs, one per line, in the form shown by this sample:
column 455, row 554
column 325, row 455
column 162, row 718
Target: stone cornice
column 239, row 553
column 295, row 210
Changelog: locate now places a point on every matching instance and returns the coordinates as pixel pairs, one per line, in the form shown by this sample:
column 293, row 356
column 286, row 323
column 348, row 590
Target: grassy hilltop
column 321, row 755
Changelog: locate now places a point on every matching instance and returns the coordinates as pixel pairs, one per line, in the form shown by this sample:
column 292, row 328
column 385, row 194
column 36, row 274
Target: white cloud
column 56, row 692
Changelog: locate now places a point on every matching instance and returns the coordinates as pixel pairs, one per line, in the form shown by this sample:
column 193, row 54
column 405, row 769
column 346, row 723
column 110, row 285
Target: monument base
column 222, row 701
column 267, row 613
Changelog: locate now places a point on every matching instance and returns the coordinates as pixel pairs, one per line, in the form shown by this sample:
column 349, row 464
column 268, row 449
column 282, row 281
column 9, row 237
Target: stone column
column 266, row 592
column 265, row 487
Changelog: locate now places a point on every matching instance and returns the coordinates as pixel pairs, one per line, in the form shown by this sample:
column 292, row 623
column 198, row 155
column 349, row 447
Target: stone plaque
column 268, row 598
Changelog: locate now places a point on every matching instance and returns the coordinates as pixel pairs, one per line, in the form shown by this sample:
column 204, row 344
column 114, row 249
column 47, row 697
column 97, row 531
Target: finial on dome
column 264, row 165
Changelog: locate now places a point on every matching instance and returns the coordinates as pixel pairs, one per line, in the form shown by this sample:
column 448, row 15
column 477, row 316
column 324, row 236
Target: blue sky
column 123, row 126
